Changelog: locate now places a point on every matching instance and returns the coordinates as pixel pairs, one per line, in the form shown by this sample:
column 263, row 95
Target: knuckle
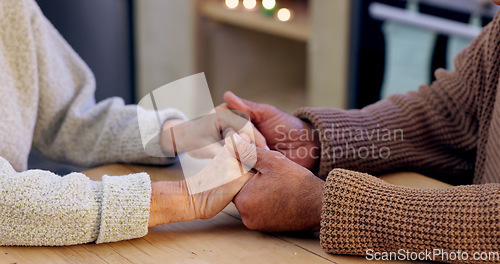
column 246, row 208
column 247, row 152
column 276, row 154
column 243, row 206
column 270, row 108
column 249, row 223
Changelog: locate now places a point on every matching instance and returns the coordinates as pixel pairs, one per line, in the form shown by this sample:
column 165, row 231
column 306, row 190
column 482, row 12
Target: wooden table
column 222, row 239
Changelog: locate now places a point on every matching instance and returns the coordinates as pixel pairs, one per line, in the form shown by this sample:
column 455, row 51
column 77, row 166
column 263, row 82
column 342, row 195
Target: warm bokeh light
column 284, row 14
column 249, row 4
column 232, row 3
column 268, row 4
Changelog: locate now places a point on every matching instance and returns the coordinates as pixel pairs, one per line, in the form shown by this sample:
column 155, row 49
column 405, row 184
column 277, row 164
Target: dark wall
column 101, row 32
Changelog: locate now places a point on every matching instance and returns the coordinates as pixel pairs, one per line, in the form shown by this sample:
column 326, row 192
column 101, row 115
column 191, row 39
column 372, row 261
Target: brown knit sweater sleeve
column 433, row 131
column 441, row 130
column 363, row 215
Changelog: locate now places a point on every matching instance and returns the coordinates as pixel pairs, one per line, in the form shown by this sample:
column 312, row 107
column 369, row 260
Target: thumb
column 248, row 154
column 253, row 109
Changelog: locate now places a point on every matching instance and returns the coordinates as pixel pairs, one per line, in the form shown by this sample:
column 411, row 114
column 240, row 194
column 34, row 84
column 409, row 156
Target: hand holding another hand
column 201, row 137
column 282, row 196
column 283, row 132
column 176, row 202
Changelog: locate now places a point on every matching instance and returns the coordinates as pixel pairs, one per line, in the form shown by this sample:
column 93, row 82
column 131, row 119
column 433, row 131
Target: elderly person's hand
column 175, row 202
column 282, row 196
column 201, row 137
column 283, row 132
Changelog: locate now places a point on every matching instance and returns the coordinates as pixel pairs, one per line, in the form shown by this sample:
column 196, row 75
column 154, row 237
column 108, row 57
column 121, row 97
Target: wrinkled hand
column 174, row 201
column 282, row 196
column 225, row 167
column 201, row 137
column 283, row 132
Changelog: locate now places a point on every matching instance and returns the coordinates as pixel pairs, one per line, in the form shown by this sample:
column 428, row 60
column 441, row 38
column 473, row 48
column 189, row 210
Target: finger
column 240, row 149
column 222, row 169
column 248, row 129
column 236, row 185
column 229, row 131
column 255, row 110
column 222, row 106
column 239, row 121
column 233, row 118
column 260, row 140
column 196, row 133
column 206, row 152
column 236, row 103
column 249, row 154
column 246, row 137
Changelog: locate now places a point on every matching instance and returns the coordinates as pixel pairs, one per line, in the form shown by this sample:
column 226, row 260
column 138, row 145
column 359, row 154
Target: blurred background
column 289, row 53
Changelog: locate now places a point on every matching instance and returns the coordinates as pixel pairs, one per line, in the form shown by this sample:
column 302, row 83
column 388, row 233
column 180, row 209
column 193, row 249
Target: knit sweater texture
column 47, row 100
column 449, row 130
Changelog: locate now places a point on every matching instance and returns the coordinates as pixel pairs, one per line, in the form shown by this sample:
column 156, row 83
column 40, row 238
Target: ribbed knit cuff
column 125, row 207
column 361, row 212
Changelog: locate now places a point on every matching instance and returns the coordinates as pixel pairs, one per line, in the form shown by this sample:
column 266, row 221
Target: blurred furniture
column 222, row 239
column 296, row 63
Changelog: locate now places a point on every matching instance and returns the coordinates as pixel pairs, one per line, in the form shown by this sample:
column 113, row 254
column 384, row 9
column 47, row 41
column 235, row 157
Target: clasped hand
column 201, row 137
column 219, row 181
column 280, row 194
column 284, row 195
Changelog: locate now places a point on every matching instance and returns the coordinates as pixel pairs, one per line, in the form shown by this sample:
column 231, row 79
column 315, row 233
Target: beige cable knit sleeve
column 70, row 126
column 39, row 208
column 47, row 95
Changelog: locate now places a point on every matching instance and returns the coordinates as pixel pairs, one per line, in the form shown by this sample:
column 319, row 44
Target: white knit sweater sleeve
column 70, row 126
column 39, row 208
